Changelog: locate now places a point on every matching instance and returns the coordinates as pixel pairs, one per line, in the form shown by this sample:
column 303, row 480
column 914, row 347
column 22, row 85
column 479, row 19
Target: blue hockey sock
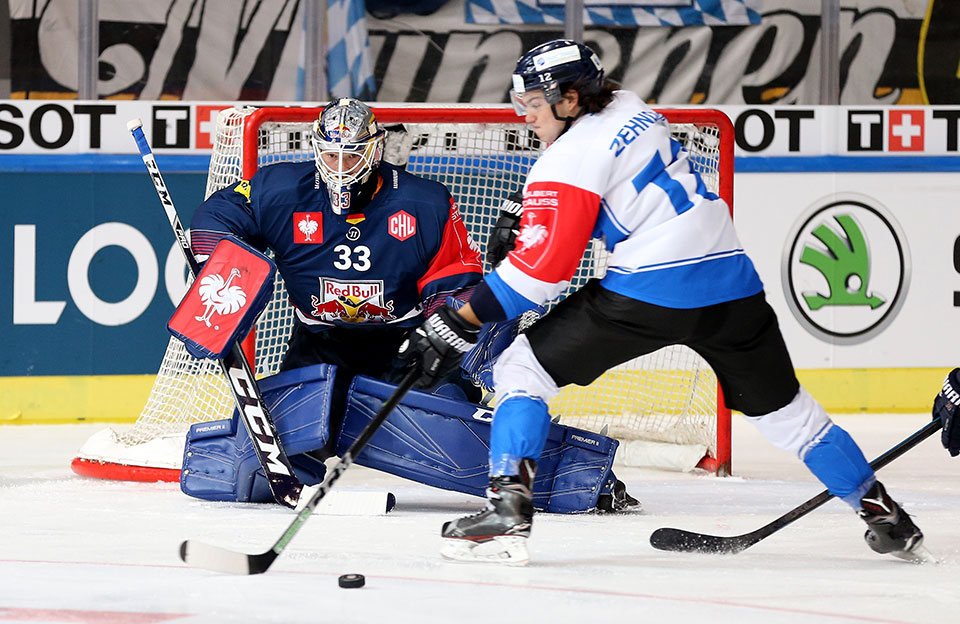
column 839, row 463
column 520, row 427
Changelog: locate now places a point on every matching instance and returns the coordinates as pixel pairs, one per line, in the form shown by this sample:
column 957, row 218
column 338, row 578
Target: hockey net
column 664, row 407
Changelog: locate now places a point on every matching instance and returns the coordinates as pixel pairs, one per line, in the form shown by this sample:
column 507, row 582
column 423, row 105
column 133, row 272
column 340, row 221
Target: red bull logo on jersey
column 352, row 302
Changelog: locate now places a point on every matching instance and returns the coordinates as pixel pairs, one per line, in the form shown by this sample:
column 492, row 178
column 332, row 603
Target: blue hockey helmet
column 346, row 128
column 554, row 67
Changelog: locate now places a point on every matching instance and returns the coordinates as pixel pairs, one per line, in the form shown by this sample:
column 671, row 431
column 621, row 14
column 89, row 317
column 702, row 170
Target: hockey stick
column 201, row 555
column 678, row 540
column 281, row 478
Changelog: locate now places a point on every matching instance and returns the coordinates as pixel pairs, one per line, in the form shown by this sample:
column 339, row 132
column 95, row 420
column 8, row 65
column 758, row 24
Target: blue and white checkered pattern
column 699, row 13
column 349, row 70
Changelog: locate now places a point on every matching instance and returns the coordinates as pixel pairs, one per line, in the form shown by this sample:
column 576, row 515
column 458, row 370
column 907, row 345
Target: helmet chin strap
column 567, row 121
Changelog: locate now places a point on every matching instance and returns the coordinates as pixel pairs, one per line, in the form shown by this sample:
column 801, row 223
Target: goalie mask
column 554, row 67
column 348, row 146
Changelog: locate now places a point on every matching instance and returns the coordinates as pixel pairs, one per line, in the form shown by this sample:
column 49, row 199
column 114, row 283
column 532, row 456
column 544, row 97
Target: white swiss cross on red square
column 206, row 124
column 906, row 131
column 403, row 225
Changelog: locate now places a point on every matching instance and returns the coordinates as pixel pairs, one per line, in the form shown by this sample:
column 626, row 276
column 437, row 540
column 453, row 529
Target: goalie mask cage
column 665, row 407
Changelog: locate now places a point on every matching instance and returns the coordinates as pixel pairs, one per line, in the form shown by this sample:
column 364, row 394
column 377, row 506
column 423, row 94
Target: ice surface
column 79, row 550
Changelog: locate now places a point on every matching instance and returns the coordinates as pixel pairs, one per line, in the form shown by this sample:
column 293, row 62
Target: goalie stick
column 201, row 555
column 281, row 478
column 678, row 540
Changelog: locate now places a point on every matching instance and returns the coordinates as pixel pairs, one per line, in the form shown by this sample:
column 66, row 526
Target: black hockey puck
column 351, row 580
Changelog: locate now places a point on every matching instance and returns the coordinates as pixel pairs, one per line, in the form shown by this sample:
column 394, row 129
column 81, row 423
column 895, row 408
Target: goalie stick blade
column 678, row 540
column 199, row 555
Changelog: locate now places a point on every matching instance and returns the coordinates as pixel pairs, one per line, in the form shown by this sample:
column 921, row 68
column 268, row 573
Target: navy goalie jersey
column 407, row 245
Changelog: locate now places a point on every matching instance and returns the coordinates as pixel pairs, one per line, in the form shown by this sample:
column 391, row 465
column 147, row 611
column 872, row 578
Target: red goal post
column 655, row 405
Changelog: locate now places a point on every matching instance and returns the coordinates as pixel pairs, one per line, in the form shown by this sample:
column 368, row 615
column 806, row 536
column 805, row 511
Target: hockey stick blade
column 200, row 555
column 678, row 540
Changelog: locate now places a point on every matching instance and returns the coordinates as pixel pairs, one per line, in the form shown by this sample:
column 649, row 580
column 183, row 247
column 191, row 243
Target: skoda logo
column 846, row 269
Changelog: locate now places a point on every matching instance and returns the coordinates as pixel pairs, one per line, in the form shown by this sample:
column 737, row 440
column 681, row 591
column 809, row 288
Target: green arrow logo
column 846, row 267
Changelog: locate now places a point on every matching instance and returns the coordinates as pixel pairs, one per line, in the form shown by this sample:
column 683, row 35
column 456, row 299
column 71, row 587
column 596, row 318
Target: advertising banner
column 862, row 268
column 846, row 211
column 91, row 272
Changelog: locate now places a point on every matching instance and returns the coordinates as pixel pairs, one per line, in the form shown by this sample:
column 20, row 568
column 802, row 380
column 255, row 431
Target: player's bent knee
column 518, row 371
column 219, row 462
column 794, row 426
column 803, row 428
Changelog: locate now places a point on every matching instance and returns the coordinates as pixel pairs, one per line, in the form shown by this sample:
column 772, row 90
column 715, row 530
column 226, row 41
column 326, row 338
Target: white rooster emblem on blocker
column 219, row 296
column 308, row 227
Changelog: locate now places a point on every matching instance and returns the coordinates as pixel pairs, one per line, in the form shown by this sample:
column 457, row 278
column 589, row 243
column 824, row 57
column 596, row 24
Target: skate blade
column 919, row 556
column 506, row 550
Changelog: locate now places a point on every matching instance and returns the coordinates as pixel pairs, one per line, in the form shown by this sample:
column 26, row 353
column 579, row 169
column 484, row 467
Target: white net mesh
column 669, row 396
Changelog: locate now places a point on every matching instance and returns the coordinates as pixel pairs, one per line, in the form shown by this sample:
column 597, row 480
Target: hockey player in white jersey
column 677, row 274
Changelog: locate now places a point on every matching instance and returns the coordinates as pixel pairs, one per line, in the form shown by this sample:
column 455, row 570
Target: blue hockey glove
column 945, row 408
column 437, row 346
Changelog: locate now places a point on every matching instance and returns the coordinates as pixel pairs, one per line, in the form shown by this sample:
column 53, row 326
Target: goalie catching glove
column 438, row 345
column 945, row 408
column 505, row 230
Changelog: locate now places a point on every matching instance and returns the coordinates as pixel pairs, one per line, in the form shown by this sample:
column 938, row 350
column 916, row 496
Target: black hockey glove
column 438, row 345
column 504, row 232
column 945, row 408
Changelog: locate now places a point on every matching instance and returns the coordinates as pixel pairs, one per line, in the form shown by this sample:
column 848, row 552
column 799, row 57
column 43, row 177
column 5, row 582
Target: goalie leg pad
column 446, row 444
column 219, row 462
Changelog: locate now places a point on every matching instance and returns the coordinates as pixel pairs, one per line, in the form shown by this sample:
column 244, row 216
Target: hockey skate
column 616, row 499
column 890, row 529
column 499, row 533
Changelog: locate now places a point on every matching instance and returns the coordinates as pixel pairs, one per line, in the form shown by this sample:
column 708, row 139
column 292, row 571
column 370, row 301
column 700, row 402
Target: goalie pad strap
column 223, row 302
column 446, row 443
column 219, row 462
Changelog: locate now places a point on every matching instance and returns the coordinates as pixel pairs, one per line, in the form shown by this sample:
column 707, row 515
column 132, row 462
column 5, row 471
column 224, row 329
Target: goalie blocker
column 224, row 301
column 430, row 439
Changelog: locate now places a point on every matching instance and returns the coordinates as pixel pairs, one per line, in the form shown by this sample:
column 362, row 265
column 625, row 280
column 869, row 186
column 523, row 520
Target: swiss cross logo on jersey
column 308, row 228
column 206, row 121
column 402, row 225
column 905, row 131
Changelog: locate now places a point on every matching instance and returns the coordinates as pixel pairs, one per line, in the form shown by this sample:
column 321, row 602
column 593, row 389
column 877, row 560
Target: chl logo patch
column 308, row 228
column 846, row 269
column 402, row 225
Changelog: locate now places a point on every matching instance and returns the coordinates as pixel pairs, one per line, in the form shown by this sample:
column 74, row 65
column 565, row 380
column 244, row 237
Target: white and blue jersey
column 672, row 242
